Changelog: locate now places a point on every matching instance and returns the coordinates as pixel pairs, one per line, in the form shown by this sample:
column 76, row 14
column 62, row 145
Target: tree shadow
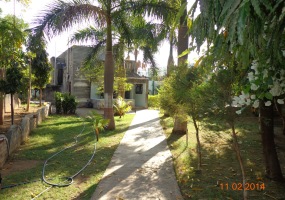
column 69, row 161
column 220, row 165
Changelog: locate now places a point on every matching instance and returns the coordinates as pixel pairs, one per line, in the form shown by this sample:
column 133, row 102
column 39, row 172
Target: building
column 67, row 77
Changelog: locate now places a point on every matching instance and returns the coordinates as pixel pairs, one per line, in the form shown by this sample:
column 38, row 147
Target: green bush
column 68, row 104
column 153, row 101
column 65, row 103
column 58, row 105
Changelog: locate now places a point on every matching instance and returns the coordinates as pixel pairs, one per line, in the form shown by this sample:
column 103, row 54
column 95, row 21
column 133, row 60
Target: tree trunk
column 282, row 117
column 41, row 96
column 30, row 86
column 136, row 52
column 272, row 165
column 170, row 61
column 237, row 150
column 109, row 78
column 2, row 99
column 121, row 82
column 181, row 47
column 180, row 126
column 199, row 153
column 12, row 109
column 183, row 39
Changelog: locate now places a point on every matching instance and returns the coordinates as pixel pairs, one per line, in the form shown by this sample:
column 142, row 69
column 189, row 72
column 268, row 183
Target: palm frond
column 60, row 16
column 94, row 55
column 88, row 34
column 148, row 57
column 152, row 8
column 121, row 24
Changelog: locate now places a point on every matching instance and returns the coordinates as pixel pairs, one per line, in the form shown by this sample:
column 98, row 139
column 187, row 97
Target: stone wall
column 18, row 134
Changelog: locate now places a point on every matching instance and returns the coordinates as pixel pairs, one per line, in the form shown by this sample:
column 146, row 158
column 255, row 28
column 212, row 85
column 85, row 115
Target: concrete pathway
column 141, row 167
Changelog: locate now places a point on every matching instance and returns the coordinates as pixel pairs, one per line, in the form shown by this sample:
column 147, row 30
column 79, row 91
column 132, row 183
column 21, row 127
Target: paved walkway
column 141, row 167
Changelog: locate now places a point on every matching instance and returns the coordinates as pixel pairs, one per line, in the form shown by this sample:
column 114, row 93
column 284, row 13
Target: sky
column 58, row 44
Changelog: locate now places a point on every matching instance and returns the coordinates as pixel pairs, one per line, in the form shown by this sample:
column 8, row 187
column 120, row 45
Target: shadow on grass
column 220, row 168
column 52, row 136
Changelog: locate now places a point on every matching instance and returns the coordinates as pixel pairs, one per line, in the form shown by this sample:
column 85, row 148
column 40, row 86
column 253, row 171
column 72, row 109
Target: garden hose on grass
column 69, row 180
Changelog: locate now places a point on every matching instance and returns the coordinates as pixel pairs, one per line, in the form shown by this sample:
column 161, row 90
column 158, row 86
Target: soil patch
column 19, row 113
column 18, row 165
column 13, row 166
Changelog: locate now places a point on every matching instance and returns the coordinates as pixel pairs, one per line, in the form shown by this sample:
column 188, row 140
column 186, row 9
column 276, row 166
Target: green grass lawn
column 52, row 136
column 219, row 162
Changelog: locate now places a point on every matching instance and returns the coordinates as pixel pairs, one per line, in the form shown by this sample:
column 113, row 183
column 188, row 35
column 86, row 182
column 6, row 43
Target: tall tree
column 254, row 34
column 180, row 124
column 12, row 36
column 40, row 64
column 12, row 84
column 62, row 15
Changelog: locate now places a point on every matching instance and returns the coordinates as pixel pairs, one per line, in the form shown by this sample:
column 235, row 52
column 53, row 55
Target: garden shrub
column 68, row 103
column 65, row 103
column 58, row 106
column 153, row 101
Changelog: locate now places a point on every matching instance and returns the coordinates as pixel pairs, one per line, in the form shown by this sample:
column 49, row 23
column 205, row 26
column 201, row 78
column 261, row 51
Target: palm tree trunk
column 272, row 164
column 180, row 127
column 170, row 61
column 109, row 78
column 183, row 38
column 136, row 52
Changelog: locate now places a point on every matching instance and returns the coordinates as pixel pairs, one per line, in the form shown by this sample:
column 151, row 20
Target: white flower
column 236, row 98
column 244, row 95
column 253, row 96
column 241, row 101
column 265, row 73
column 238, row 112
column 254, row 87
column 254, row 65
column 276, row 89
column 255, row 104
column 268, row 103
column 280, row 101
column 250, row 76
column 248, row 102
column 234, row 103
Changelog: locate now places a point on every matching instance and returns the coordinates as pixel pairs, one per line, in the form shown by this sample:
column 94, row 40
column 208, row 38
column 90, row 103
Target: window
column 139, row 88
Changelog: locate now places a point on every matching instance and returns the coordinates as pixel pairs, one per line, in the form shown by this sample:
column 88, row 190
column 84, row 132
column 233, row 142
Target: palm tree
column 180, row 125
column 103, row 13
column 144, row 36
